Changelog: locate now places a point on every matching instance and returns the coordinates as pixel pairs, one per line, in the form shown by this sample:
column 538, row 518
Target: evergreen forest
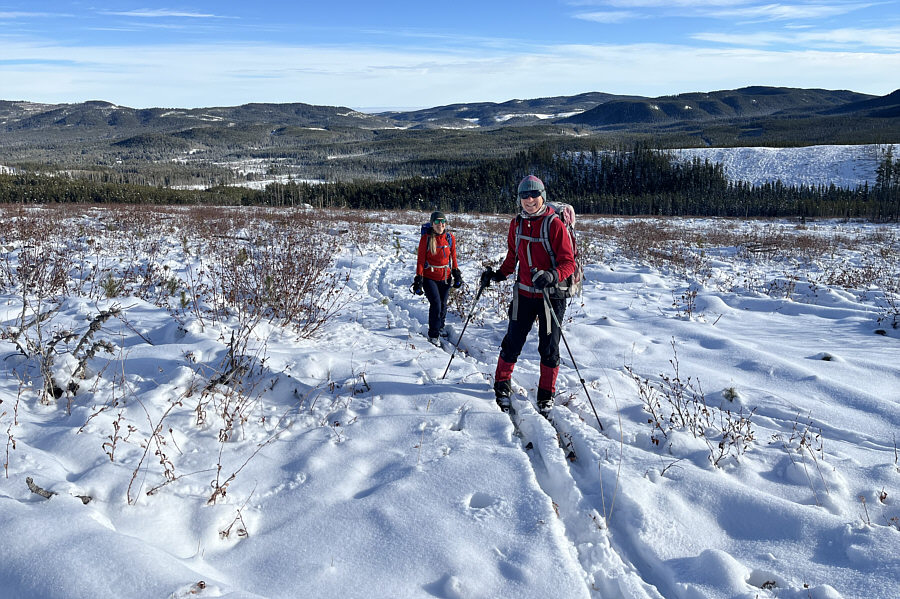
column 636, row 181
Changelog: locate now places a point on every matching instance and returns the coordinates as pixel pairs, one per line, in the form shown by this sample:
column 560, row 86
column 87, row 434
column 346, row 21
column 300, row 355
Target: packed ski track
column 748, row 444
column 551, row 451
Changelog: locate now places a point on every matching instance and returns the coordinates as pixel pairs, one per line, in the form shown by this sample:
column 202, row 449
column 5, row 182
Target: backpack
column 571, row 285
column 427, row 229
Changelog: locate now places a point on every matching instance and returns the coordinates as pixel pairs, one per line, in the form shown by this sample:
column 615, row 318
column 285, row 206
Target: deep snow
column 375, row 478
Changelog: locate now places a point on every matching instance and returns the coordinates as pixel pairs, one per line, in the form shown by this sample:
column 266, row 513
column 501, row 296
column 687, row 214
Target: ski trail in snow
column 610, row 570
column 607, row 572
column 595, row 474
column 383, row 286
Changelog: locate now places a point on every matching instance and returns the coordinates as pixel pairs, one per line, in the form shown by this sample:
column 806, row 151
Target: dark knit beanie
column 436, row 215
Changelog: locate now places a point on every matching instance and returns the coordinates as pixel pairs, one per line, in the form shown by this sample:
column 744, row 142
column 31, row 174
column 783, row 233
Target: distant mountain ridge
column 100, row 114
column 879, row 107
column 592, row 109
column 219, row 144
column 509, row 113
column 746, row 102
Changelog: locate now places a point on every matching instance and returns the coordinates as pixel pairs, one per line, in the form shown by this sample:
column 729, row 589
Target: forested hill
column 96, row 118
column 213, row 146
column 640, row 181
column 746, row 103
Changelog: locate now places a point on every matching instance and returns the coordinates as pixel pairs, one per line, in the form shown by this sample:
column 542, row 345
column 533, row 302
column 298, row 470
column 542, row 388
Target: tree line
column 639, row 180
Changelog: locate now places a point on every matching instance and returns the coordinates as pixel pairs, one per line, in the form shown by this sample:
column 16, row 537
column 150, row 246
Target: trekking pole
column 471, row 313
column 546, row 293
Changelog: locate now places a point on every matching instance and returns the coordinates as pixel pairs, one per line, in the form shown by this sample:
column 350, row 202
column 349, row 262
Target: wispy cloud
column 636, row 4
column 34, row 61
column 448, row 41
column 786, row 12
column 723, row 9
column 613, row 16
column 885, row 39
column 25, row 15
column 704, row 5
column 159, row 13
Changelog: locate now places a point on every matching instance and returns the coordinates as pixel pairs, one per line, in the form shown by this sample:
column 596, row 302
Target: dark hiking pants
column 437, row 293
column 529, row 309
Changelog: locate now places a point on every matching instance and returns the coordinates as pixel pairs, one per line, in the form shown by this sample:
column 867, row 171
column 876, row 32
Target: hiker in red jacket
column 535, row 275
column 436, row 267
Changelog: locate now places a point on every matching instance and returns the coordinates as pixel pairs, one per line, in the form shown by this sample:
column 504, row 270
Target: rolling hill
column 163, row 146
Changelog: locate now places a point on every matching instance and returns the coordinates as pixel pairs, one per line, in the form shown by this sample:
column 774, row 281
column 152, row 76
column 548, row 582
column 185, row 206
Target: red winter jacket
column 540, row 259
column 437, row 265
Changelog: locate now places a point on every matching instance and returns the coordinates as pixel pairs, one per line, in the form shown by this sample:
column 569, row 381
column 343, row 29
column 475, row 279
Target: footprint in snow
column 448, row 586
column 483, row 505
column 480, row 501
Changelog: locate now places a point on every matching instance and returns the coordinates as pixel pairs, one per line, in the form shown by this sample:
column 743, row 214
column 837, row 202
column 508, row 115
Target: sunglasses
column 529, row 194
column 439, row 221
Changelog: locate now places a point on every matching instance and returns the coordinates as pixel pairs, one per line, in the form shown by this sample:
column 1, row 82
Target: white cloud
column 156, row 13
column 785, row 12
column 727, row 9
column 671, row 3
column 208, row 74
column 883, row 39
column 618, row 16
column 25, row 15
column 767, row 38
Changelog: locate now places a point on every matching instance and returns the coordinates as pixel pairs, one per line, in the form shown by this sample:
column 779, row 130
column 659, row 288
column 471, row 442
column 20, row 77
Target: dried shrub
column 678, row 403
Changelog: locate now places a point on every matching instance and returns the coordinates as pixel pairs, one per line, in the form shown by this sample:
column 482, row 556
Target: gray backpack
column 571, row 286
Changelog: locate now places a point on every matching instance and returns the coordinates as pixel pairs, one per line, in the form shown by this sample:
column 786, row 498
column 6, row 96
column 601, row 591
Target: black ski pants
column 437, row 293
column 529, row 309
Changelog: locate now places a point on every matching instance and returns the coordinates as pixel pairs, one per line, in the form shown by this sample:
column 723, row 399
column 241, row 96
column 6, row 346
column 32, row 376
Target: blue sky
column 404, row 54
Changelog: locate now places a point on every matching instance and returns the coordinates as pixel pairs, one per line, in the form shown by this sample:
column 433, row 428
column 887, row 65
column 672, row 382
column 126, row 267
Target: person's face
column 531, row 201
column 438, row 225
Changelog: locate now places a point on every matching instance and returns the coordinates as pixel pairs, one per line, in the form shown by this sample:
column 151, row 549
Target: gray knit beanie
column 531, row 183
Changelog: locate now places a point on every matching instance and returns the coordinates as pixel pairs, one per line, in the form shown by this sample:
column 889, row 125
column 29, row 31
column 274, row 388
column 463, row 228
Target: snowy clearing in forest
column 240, row 402
column 847, row 166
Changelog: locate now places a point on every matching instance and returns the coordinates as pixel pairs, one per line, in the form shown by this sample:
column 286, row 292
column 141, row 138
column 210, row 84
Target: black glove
column 417, row 285
column 491, row 275
column 457, row 278
column 544, row 278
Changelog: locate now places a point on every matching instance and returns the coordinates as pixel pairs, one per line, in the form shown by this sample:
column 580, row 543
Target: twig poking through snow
column 38, row 490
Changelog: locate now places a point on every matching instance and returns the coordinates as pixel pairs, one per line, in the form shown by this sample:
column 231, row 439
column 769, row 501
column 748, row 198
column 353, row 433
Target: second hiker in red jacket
column 436, row 271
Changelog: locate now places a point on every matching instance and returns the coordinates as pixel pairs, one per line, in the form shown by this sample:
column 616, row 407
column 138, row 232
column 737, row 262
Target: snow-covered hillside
column 843, row 166
column 745, row 375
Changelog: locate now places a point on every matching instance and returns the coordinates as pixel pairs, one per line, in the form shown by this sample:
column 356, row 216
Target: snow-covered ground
column 843, row 166
column 270, row 464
